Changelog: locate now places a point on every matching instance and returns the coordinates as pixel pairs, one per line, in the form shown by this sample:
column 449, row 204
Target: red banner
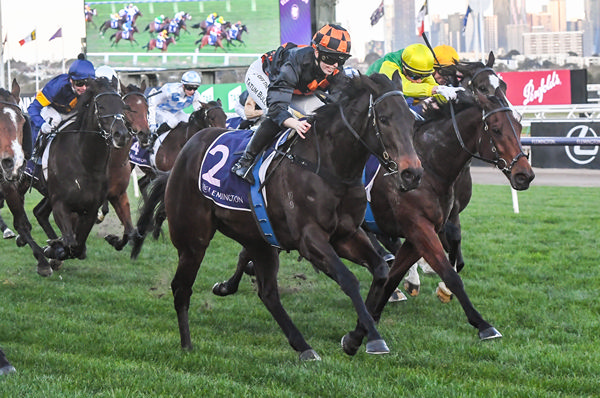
column 550, row 87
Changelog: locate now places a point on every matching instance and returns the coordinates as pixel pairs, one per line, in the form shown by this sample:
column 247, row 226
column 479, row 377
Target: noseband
column 384, row 157
column 499, row 162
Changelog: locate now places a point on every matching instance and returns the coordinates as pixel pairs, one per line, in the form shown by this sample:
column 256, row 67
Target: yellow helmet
column 445, row 55
column 418, row 58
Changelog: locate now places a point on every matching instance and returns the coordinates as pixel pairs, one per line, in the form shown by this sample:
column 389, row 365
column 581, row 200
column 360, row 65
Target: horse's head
column 374, row 110
column 11, row 133
column 501, row 122
column 210, row 114
column 136, row 112
column 100, row 109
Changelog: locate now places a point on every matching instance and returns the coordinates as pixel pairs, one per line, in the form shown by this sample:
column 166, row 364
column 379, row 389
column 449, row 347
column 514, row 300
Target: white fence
column 166, row 55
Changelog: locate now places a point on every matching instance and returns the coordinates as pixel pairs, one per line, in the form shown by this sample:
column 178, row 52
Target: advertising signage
column 295, row 21
column 549, row 87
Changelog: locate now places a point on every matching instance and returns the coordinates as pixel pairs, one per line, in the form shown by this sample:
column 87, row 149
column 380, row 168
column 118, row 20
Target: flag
column 56, row 35
column 421, row 19
column 465, row 19
column 377, row 14
column 30, row 37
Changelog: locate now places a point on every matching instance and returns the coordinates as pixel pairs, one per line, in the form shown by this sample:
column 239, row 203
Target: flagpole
column 1, row 51
column 37, row 73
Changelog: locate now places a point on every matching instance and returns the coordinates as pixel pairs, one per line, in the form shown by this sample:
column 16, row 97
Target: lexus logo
column 579, row 154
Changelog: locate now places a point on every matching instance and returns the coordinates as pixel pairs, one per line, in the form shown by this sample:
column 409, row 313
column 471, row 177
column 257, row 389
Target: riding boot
column 261, row 138
column 27, row 138
column 163, row 128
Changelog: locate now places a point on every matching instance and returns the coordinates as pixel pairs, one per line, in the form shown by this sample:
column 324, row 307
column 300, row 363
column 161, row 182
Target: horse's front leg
column 323, row 256
column 123, row 209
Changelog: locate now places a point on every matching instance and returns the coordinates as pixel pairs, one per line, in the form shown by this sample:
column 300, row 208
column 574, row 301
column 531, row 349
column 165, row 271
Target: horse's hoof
column 44, row 270
column 309, row 355
column 443, row 293
column 377, row 347
column 489, row 333
column 8, row 234
column 396, row 296
column 220, row 289
column 7, row 369
column 20, row 241
column 56, row 264
column 411, row 288
column 112, row 240
column 347, row 345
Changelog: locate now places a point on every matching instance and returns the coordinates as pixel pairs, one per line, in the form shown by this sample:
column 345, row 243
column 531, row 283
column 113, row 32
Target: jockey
column 181, row 15
column 211, row 19
column 234, row 30
column 273, row 78
column 165, row 107
column 415, row 65
column 131, row 12
column 445, row 55
column 59, row 97
column 161, row 39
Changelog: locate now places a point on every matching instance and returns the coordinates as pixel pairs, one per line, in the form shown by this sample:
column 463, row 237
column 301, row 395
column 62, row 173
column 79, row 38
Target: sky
column 575, row 8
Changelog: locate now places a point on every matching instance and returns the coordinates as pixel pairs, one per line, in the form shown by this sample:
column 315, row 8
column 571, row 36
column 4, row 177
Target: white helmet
column 109, row 73
column 192, row 78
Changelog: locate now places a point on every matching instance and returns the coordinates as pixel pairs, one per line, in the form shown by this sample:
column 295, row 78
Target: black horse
column 316, row 202
column 77, row 174
column 13, row 127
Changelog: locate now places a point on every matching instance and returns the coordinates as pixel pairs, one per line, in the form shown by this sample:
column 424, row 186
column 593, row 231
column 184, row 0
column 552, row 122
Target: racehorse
column 175, row 30
column 151, row 27
column 13, row 126
column 89, row 16
column 7, row 233
column 106, row 25
column 152, row 44
column 216, row 41
column 120, row 35
column 204, row 27
column 445, row 146
column 77, row 183
column 316, row 201
column 237, row 36
column 211, row 114
column 119, row 168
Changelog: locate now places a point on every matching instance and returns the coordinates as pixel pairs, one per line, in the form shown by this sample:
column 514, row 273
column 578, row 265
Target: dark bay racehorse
column 231, row 39
column 12, row 127
column 78, row 161
column 152, row 44
column 445, row 146
column 115, row 38
column 119, row 168
column 211, row 114
column 316, row 202
column 152, row 28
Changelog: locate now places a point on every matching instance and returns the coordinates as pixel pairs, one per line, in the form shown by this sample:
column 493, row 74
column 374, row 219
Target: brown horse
column 116, row 37
column 216, row 41
column 315, row 201
column 119, row 168
column 152, row 44
column 106, row 25
column 77, row 176
column 152, row 28
column 12, row 159
column 445, row 146
column 90, row 13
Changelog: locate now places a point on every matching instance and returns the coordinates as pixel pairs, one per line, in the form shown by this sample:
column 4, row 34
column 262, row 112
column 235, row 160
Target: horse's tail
column 147, row 27
column 151, row 208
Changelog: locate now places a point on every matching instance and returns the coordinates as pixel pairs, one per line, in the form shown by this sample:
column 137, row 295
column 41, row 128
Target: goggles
column 80, row 83
column 190, row 87
column 414, row 75
column 331, row 59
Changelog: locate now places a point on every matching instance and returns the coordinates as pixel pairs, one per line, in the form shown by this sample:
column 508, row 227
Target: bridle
column 115, row 116
column 383, row 157
column 145, row 100
column 499, row 162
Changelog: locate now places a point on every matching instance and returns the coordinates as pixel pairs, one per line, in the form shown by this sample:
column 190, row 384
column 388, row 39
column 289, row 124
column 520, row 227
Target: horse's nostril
column 8, row 163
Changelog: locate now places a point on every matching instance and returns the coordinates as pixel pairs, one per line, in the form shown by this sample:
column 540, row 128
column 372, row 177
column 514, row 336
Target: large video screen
column 258, row 21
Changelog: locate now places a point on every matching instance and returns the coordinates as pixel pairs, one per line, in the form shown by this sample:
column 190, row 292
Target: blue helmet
column 81, row 69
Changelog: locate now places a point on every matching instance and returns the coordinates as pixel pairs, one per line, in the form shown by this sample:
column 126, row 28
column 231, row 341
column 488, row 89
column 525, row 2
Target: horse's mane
column 5, row 94
column 132, row 88
column 95, row 87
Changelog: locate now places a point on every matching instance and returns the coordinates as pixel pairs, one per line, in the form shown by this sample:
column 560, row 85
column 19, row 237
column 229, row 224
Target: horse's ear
column 16, row 89
column 397, row 80
column 491, row 59
column 203, row 104
column 122, row 86
column 143, row 86
column 219, row 101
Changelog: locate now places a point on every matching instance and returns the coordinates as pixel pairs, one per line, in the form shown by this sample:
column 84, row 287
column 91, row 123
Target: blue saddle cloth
column 233, row 122
column 139, row 155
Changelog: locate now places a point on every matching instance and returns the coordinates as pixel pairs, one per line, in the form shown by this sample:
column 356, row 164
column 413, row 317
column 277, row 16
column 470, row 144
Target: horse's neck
column 440, row 150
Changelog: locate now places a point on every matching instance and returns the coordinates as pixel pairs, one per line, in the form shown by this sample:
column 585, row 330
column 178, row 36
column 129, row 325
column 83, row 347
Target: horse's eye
column 483, row 89
column 383, row 119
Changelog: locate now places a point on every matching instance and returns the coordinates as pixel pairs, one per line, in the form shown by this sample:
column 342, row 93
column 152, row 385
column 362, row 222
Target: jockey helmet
column 221, row 20
column 164, row 33
column 81, row 69
column 418, row 59
column 107, row 72
column 191, row 78
column 445, row 55
column 332, row 39
column 214, row 14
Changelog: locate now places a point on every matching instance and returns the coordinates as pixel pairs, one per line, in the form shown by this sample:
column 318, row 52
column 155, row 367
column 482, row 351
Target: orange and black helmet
column 332, row 39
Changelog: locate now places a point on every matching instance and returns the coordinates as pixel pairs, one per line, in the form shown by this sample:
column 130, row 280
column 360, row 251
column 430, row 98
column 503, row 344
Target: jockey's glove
column 46, row 128
column 449, row 93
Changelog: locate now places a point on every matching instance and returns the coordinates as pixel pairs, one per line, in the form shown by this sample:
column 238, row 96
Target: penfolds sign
column 550, row 87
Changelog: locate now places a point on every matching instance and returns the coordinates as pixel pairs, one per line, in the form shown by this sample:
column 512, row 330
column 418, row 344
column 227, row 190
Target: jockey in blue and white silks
column 130, row 12
column 211, row 19
column 167, row 104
